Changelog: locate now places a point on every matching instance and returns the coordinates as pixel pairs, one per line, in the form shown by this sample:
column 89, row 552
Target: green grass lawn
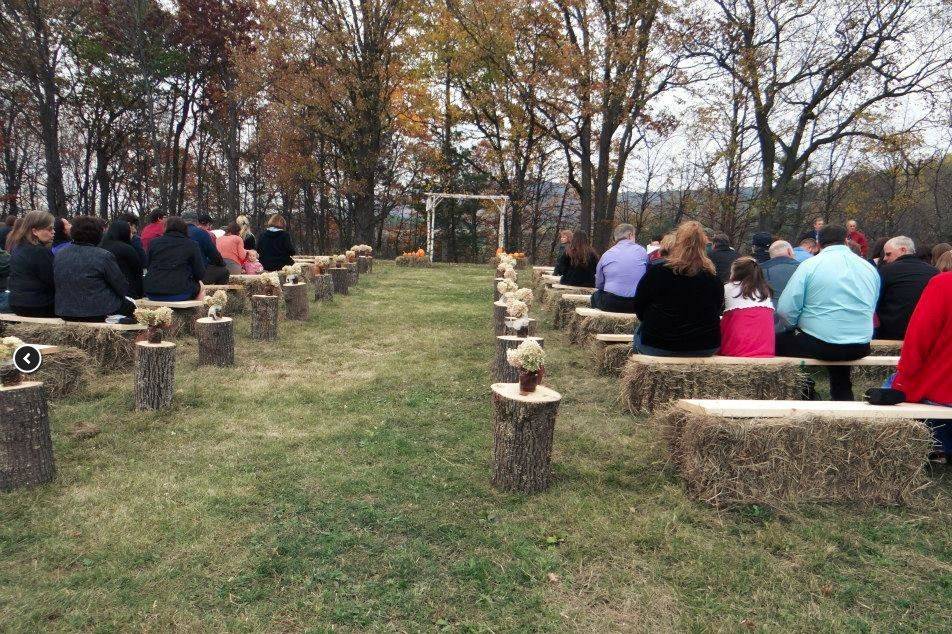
column 338, row 479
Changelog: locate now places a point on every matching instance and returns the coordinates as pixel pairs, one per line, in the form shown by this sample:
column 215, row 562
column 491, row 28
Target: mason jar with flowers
column 216, row 304
column 529, row 359
column 517, row 316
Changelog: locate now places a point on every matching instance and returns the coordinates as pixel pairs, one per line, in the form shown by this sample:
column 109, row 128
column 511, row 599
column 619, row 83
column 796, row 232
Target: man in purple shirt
column 618, row 273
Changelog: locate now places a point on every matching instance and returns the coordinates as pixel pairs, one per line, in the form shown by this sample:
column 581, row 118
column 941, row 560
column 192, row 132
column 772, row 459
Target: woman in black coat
column 118, row 241
column 577, row 263
column 274, row 245
column 175, row 266
column 31, row 286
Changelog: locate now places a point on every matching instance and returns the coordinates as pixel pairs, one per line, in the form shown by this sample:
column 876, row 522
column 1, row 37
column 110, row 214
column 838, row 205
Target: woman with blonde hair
column 679, row 300
column 274, row 245
column 244, row 232
column 31, row 285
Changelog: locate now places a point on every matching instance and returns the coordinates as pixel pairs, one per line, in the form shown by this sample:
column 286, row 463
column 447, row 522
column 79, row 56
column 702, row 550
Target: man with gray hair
column 778, row 269
column 903, row 278
column 618, row 273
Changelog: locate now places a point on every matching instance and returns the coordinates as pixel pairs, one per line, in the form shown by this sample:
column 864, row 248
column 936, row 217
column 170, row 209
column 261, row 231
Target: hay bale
column 64, row 373
column 646, row 387
column 111, row 350
column 565, row 307
column 771, row 461
column 583, row 330
column 885, row 348
column 610, row 358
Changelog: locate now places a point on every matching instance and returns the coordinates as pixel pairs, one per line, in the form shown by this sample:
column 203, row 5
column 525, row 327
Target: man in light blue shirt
column 619, row 271
column 805, row 250
column 829, row 303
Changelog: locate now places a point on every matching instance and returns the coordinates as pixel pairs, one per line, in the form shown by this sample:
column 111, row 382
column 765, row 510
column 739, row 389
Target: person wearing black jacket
column 118, row 242
column 577, row 263
column 175, row 265
column 903, row 278
column 723, row 256
column 679, row 303
column 32, row 290
column 274, row 245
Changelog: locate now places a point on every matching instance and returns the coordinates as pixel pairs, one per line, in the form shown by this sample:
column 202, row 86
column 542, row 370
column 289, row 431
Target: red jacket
column 151, row 231
column 859, row 238
column 925, row 365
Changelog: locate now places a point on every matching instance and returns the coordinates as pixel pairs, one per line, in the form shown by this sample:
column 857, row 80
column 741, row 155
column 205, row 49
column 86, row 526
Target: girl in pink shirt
column 747, row 326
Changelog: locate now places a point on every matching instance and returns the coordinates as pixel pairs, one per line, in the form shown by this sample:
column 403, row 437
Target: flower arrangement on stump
column 216, row 303
column 362, row 249
column 340, row 260
column 529, row 359
column 155, row 320
column 9, row 375
column 321, row 264
column 524, row 295
column 506, row 288
column 509, row 273
column 292, row 272
column 517, row 316
column 351, row 255
column 269, row 284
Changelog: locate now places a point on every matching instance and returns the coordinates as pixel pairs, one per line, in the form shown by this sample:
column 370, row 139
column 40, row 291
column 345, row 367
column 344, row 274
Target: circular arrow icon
column 27, row 359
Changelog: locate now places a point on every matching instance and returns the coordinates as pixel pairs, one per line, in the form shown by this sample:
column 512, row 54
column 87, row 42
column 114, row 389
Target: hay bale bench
column 553, row 292
column 26, row 447
column 588, row 322
column 565, row 307
column 64, row 371
column 500, row 371
column 184, row 314
column 109, row 346
column 237, row 297
column 649, row 382
column 523, row 432
column 885, row 347
column 774, row 452
column 611, row 352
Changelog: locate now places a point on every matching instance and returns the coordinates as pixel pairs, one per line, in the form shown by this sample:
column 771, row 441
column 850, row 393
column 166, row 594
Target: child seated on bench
column 252, row 266
column 747, row 326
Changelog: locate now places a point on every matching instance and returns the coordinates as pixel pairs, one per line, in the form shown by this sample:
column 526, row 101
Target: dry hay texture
column 583, row 329
column 112, row 350
column 726, row 462
column 886, row 350
column 414, row 261
column 647, row 387
column 565, row 308
column 610, row 358
column 64, row 373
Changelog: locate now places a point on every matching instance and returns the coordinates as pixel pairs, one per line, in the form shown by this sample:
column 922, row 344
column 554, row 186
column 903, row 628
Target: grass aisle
column 339, row 480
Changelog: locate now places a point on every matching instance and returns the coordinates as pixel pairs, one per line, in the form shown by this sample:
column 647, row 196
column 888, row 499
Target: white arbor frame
column 433, row 199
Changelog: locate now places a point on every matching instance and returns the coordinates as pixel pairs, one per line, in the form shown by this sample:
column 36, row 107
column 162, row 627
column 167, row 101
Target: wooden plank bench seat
column 578, row 290
column 732, row 452
column 799, row 361
column 56, row 321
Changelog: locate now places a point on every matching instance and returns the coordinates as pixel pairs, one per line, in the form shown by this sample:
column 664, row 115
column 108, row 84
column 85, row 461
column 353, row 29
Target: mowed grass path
column 338, row 480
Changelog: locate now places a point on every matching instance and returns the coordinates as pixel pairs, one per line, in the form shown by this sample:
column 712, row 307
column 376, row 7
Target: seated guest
column 654, row 245
column 135, row 240
column 805, row 250
column 747, row 327
column 938, row 250
column 679, row 301
column 245, row 232
column 4, row 275
column 760, row 243
column 215, row 270
column 31, row 284
column 577, row 264
column 89, row 284
column 944, row 263
column 925, row 363
column 618, row 272
column 565, row 236
column 252, row 266
column 723, row 256
column 6, row 228
column 778, row 269
column 175, row 265
column 855, row 235
column 904, row 276
column 118, row 241
column 274, row 245
column 154, row 229
column 61, row 234
column 232, row 249
column 829, row 303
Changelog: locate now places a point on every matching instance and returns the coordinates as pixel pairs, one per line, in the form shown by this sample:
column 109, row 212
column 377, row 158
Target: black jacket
column 250, row 242
column 4, row 269
column 902, row 283
column 723, row 257
column 129, row 263
column 275, row 249
column 175, row 265
column 88, row 282
column 576, row 275
column 31, row 277
column 679, row 313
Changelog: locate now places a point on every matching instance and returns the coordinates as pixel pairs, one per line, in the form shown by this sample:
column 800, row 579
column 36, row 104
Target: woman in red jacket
column 925, row 364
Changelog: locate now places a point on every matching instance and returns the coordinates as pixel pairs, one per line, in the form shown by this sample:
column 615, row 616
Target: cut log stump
column 264, row 317
column 295, row 301
column 154, row 375
column 499, row 318
column 216, row 341
column 353, row 275
column 532, row 329
column 341, row 277
column 363, row 264
column 26, row 449
column 496, row 293
column 523, row 431
column 323, row 287
column 501, row 371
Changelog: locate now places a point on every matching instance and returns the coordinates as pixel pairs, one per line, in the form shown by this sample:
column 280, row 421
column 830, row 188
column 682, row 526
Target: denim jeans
column 640, row 348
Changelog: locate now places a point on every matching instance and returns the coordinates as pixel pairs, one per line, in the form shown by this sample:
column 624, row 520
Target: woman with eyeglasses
column 31, row 266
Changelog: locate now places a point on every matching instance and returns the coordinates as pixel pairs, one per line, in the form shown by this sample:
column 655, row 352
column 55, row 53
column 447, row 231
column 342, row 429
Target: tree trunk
column 295, row 301
column 154, row 375
column 523, row 430
column 323, row 287
column 499, row 318
column 353, row 273
column 216, row 341
column 264, row 317
column 500, row 371
column 26, row 449
column 341, row 277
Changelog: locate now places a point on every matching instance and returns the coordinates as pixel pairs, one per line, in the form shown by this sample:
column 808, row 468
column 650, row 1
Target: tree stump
column 523, row 430
column 370, row 264
column 154, row 375
column 264, row 317
column 532, row 329
column 500, row 371
column 26, row 449
column 341, row 277
column 363, row 264
column 353, row 273
column 323, row 287
column 496, row 293
column 216, row 341
column 499, row 318
column 295, row 301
